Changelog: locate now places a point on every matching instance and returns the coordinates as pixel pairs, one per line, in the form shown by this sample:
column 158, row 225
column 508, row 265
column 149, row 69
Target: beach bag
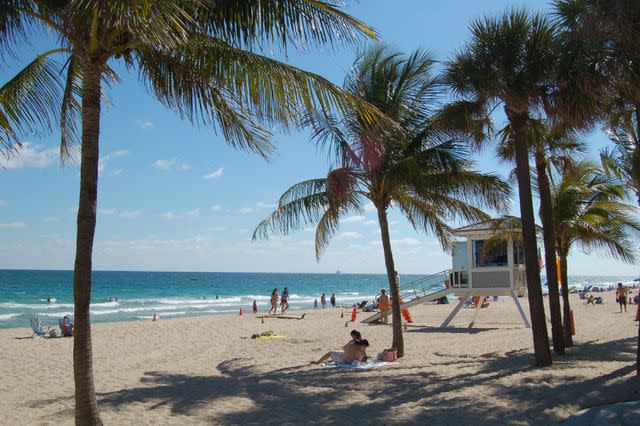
column 390, row 355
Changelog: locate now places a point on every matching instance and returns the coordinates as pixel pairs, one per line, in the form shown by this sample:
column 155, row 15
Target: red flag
column 540, row 262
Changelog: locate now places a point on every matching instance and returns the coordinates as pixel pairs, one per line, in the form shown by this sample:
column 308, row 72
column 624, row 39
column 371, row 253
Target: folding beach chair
column 38, row 329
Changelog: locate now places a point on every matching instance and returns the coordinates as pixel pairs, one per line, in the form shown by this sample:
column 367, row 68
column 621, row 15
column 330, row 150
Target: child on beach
column 315, row 303
column 274, row 301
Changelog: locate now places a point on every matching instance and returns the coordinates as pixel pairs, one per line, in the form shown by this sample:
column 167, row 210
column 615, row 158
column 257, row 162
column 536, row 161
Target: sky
column 172, row 197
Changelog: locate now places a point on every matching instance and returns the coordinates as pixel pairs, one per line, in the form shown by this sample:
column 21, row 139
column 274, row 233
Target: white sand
column 201, row 370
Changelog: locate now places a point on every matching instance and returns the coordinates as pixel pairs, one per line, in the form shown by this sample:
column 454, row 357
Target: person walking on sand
column 333, row 300
column 255, row 307
column 323, row 301
column 621, row 296
column 284, row 301
column 274, row 301
column 383, row 304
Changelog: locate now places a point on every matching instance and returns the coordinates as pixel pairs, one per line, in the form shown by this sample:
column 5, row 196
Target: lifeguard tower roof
column 487, row 227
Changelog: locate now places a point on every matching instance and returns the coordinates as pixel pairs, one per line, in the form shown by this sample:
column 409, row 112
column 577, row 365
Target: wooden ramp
column 430, row 297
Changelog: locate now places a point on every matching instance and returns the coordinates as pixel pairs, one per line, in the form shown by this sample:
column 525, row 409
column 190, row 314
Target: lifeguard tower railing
column 426, row 285
column 488, row 279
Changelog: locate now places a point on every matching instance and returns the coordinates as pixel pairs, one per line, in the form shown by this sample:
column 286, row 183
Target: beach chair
column 362, row 304
column 38, row 329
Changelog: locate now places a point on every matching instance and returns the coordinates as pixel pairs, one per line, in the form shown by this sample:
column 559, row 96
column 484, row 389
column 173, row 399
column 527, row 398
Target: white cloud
column 214, row 175
column 193, row 213
column 215, row 208
column 246, row 210
column 262, row 205
column 12, row 225
column 168, row 216
column 164, row 165
column 116, row 172
column 406, row 241
column 353, row 219
column 309, row 229
column 370, row 222
column 369, row 207
column 244, row 231
column 349, row 236
column 393, row 222
column 102, row 164
column 4, row 203
column 184, row 167
column 216, row 229
column 36, row 156
column 145, row 124
column 107, row 212
column 50, row 219
column 130, row 213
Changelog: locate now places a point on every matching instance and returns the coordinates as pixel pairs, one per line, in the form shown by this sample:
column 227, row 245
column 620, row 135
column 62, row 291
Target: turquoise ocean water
column 24, row 293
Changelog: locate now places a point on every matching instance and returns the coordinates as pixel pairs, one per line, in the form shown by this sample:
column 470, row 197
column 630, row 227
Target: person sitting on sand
column 353, row 351
column 274, row 301
column 590, row 300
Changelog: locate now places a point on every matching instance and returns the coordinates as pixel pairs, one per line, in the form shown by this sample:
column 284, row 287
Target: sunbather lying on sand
column 353, row 351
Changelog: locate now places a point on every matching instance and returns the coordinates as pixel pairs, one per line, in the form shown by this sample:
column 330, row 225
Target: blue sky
column 176, row 198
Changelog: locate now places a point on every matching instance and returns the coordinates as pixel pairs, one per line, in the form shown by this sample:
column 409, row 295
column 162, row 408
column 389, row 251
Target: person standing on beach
column 255, row 307
column 274, row 301
column 333, row 300
column 323, row 301
column 383, row 304
column 284, row 301
column 621, row 296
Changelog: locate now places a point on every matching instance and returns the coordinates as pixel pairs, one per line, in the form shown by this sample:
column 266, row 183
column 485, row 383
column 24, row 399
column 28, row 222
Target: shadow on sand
column 403, row 394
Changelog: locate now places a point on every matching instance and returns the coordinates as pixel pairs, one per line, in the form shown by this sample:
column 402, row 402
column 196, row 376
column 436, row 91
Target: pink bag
column 390, row 355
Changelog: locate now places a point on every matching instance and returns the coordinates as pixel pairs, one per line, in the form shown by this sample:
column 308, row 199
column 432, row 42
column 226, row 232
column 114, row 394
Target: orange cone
column 155, row 316
column 240, row 312
column 353, row 315
column 342, row 314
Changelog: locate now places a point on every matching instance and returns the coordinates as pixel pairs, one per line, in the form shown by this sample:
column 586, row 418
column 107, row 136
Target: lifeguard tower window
column 496, row 257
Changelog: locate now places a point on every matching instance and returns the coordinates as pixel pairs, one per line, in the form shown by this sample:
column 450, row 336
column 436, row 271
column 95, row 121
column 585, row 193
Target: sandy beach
column 205, row 370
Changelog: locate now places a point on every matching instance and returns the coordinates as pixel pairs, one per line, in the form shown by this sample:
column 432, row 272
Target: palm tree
column 415, row 168
column 608, row 33
column 197, row 58
column 552, row 145
column 589, row 211
column 510, row 60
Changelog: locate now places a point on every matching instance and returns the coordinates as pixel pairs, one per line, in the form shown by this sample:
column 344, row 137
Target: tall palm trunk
column 534, row 288
column 568, row 339
column 549, row 234
column 86, row 406
column 394, row 291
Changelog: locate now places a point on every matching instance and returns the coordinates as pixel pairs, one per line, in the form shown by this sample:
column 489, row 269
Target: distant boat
column 338, row 271
column 193, row 279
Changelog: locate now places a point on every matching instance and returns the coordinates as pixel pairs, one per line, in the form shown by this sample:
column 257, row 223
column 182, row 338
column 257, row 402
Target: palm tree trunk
column 549, row 234
column 394, row 291
column 534, row 288
column 568, row 339
column 85, row 395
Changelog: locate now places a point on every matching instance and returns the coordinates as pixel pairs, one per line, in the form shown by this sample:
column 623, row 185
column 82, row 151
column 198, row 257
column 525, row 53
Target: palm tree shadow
column 336, row 395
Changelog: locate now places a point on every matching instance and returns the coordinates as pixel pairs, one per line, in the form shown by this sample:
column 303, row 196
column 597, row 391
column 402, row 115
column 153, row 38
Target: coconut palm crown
column 416, row 169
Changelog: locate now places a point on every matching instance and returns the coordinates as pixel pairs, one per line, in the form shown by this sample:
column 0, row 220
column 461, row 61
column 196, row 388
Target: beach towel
column 357, row 365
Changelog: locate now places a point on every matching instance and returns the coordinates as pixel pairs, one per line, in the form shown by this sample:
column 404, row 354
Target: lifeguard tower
column 474, row 273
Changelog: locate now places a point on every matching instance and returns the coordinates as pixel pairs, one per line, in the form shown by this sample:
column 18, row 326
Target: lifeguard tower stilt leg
column 525, row 320
column 463, row 300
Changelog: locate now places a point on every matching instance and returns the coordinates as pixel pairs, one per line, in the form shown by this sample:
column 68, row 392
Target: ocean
column 24, row 293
